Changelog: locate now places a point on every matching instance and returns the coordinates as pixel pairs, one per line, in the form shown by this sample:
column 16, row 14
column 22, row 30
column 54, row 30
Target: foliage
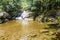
column 44, row 7
column 11, row 7
column 37, row 7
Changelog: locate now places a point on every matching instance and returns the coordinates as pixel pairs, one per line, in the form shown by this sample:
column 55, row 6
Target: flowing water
column 19, row 30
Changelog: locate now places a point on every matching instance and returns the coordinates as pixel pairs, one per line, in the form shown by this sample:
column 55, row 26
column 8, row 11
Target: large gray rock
column 4, row 17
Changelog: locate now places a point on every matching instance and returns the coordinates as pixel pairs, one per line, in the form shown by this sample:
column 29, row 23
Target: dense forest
column 46, row 8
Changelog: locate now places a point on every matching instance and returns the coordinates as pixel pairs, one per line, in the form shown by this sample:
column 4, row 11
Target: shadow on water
column 54, row 26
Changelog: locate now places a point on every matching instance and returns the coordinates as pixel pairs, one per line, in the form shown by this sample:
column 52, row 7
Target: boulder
column 4, row 17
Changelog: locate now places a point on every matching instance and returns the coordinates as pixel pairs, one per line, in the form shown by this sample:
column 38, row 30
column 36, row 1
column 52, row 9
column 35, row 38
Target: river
column 21, row 30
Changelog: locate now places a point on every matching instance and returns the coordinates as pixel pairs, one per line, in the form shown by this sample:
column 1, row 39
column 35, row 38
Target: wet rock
column 1, row 21
column 58, row 35
column 4, row 17
column 52, row 33
column 34, row 35
column 2, row 33
column 6, row 20
column 44, row 31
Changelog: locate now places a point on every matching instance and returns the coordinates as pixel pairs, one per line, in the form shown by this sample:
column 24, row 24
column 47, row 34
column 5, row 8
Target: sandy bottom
column 15, row 30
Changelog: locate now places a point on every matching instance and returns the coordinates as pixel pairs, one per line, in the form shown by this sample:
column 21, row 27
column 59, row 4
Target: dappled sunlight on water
column 20, row 29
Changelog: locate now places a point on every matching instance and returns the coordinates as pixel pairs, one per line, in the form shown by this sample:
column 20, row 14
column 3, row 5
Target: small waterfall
column 23, row 18
column 23, row 15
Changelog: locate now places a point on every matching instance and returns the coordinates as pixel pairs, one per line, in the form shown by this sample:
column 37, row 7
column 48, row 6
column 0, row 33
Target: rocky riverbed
column 14, row 30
